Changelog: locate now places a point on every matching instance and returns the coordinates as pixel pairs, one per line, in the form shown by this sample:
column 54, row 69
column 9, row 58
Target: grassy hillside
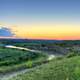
column 65, row 69
column 13, row 59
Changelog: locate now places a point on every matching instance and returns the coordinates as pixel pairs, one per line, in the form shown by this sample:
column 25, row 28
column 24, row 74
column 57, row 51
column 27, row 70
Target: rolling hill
column 65, row 69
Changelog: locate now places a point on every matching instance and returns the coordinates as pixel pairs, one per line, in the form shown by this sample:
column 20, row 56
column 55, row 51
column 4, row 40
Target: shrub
column 29, row 64
column 71, row 55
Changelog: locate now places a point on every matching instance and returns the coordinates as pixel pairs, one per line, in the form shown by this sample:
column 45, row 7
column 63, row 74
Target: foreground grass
column 65, row 69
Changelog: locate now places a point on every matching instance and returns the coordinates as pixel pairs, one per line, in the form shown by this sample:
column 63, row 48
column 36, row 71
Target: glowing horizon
column 47, row 31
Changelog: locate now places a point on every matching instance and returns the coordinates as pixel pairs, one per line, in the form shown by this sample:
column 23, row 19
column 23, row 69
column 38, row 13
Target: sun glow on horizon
column 47, row 31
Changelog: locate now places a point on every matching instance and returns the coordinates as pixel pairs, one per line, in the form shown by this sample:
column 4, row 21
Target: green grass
column 13, row 59
column 65, row 69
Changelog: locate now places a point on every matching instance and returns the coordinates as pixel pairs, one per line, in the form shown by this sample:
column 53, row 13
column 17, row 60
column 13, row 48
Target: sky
column 40, row 19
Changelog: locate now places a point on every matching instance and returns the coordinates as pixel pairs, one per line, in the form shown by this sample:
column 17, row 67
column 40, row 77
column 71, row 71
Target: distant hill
column 13, row 40
column 28, row 40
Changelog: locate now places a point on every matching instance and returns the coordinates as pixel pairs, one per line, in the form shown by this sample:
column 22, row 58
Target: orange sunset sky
column 40, row 19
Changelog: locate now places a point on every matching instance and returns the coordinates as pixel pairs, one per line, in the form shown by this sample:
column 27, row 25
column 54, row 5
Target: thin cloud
column 5, row 32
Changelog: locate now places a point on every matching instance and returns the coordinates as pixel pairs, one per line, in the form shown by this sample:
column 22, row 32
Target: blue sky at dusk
column 33, row 13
